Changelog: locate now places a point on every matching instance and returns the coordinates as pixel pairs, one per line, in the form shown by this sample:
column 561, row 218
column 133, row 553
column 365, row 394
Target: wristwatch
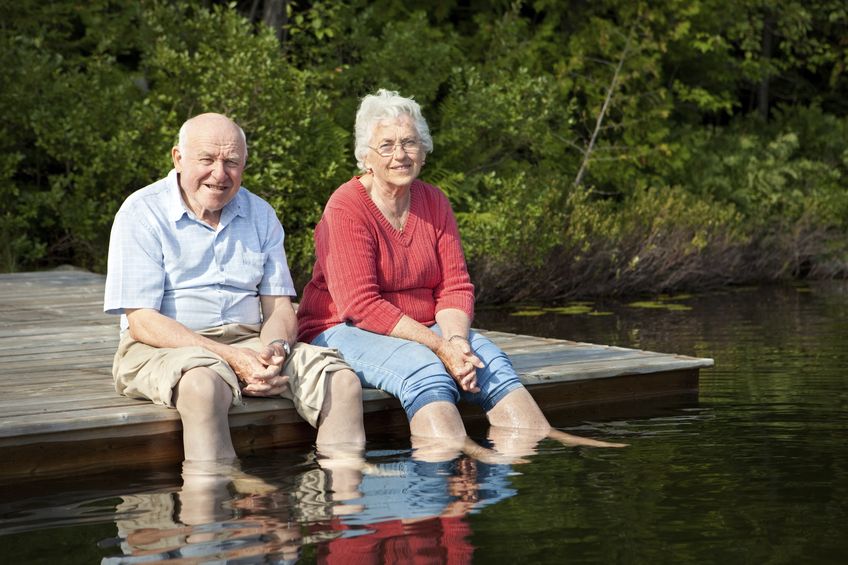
column 284, row 343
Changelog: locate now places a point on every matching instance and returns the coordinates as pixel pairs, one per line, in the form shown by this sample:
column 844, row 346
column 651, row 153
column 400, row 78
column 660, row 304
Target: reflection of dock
column 59, row 412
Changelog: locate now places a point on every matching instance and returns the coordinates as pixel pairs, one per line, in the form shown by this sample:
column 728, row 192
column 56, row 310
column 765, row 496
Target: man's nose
column 219, row 170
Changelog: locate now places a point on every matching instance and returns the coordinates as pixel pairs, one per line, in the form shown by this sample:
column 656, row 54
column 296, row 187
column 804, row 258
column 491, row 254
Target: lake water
column 753, row 471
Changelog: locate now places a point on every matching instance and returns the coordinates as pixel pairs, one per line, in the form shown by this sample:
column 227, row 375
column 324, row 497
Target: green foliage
column 767, row 173
column 587, row 147
column 68, row 102
column 99, row 130
column 297, row 154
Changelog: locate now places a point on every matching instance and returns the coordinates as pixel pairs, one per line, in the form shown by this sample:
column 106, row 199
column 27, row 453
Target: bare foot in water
column 569, row 439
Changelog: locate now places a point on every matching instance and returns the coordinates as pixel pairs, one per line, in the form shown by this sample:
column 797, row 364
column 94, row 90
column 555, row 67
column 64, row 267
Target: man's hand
column 260, row 371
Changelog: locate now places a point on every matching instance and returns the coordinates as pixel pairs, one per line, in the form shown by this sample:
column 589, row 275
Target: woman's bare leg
column 439, row 423
column 518, row 410
column 438, row 420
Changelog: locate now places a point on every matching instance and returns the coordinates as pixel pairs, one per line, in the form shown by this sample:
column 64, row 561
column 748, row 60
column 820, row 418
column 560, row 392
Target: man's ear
column 177, row 157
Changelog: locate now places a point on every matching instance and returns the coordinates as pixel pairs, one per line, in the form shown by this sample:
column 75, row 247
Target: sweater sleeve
column 455, row 289
column 348, row 253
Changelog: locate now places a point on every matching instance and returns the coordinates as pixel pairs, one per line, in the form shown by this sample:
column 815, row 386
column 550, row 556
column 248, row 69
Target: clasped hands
column 460, row 361
column 260, row 371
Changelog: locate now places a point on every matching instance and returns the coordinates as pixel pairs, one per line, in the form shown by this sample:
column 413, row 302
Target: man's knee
column 201, row 388
column 345, row 387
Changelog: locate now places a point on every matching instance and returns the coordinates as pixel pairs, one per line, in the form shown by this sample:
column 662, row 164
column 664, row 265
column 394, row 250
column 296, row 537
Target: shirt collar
column 177, row 207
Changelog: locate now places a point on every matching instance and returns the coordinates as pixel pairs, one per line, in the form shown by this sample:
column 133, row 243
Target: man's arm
column 278, row 320
column 149, row 326
column 278, row 323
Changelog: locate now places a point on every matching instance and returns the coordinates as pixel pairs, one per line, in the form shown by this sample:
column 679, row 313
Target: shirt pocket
column 249, row 268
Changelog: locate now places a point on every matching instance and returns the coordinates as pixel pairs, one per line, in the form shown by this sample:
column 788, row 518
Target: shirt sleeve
column 455, row 289
column 276, row 278
column 135, row 276
column 348, row 255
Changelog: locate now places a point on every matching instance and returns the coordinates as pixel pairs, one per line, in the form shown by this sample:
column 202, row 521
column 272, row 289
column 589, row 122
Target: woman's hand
column 460, row 362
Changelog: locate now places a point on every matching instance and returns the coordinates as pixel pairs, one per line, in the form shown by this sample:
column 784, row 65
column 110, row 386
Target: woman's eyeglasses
column 409, row 146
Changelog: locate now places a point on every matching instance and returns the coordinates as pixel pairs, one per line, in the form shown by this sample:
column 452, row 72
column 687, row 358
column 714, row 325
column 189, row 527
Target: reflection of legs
column 434, row 449
column 205, row 489
column 203, row 400
column 515, row 442
column 438, row 449
column 344, row 474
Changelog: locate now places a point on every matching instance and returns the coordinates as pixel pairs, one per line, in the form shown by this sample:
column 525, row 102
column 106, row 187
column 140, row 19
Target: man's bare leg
column 340, row 444
column 340, row 421
column 518, row 410
column 203, row 400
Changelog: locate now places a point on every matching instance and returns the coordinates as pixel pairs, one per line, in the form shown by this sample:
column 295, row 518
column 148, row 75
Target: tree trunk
column 767, row 45
column 274, row 16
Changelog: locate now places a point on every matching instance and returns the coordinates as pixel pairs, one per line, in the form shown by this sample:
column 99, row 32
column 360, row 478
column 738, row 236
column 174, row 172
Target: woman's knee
column 427, row 389
column 497, row 378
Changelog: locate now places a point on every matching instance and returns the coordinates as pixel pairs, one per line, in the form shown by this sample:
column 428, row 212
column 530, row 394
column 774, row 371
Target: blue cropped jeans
column 411, row 372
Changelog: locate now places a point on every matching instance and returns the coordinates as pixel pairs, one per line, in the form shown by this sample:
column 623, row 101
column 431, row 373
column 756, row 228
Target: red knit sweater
column 370, row 274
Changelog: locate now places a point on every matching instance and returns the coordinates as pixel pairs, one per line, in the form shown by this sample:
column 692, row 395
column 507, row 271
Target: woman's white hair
column 386, row 104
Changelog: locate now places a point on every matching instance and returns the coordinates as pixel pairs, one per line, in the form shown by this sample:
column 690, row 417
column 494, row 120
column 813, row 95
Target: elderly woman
column 390, row 288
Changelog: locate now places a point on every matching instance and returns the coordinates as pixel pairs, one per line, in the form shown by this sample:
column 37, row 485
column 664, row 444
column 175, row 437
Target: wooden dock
column 59, row 413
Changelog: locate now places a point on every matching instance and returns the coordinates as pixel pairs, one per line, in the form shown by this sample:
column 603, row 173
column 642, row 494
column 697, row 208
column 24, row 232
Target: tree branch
column 578, row 180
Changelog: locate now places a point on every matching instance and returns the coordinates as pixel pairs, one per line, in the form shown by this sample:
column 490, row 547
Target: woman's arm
column 455, row 290
column 347, row 253
column 456, row 354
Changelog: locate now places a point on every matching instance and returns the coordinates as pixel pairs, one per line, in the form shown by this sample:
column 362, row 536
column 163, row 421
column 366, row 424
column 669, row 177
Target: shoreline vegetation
column 609, row 148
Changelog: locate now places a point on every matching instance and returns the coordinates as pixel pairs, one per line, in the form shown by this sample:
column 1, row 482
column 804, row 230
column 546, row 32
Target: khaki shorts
column 151, row 373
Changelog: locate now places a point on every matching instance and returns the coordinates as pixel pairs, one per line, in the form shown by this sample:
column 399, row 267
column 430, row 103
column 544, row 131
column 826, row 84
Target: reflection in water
column 220, row 513
column 406, row 506
column 754, row 470
column 414, row 511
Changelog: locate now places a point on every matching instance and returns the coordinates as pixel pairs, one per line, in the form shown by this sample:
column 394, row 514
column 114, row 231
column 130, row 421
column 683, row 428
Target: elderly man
column 198, row 272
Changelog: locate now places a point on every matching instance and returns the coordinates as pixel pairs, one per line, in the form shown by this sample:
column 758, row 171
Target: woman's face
column 395, row 155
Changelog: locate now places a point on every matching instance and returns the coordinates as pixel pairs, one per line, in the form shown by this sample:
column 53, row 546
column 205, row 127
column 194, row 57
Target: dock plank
column 60, row 412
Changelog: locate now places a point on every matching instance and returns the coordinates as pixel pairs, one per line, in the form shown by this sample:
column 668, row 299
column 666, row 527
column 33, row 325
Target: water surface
column 754, row 471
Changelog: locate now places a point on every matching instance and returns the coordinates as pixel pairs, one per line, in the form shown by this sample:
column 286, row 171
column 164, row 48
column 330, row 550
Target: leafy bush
column 297, row 154
column 587, row 147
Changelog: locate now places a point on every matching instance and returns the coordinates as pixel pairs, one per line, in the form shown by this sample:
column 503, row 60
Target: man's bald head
column 209, row 122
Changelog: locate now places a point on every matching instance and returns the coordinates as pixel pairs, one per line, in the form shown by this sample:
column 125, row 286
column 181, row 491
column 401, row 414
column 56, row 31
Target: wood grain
column 60, row 414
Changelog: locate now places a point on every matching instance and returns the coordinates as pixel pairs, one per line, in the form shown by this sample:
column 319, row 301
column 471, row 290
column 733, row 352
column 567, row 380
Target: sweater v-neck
column 404, row 236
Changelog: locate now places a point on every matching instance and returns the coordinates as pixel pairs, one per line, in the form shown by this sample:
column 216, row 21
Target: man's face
column 210, row 165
